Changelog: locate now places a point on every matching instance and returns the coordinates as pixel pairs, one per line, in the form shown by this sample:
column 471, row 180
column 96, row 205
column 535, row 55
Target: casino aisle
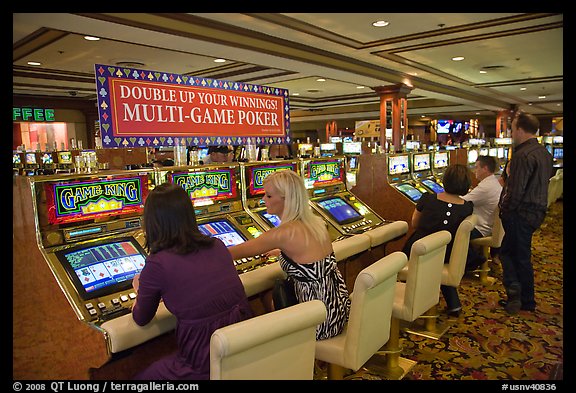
column 488, row 344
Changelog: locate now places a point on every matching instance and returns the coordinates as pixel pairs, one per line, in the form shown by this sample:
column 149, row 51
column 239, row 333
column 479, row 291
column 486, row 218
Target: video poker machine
column 326, row 183
column 422, row 172
column 253, row 175
column 88, row 229
column 399, row 176
column 216, row 193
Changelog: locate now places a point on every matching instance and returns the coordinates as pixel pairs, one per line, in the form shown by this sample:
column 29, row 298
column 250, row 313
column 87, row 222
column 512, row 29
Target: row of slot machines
column 414, row 174
column 89, row 227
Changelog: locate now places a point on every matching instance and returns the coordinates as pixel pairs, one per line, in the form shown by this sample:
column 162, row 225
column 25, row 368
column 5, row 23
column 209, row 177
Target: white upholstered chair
column 452, row 274
column 368, row 327
column 486, row 243
column 415, row 296
column 350, row 246
column 273, row 346
column 385, row 233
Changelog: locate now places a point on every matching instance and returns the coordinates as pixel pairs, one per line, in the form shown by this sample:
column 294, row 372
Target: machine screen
column 339, row 210
column 47, row 158
column 437, row 188
column 411, row 192
column 272, row 219
column 64, row 157
column 440, row 160
column 500, row 152
column 559, row 153
column 104, row 267
column 223, row 230
column 398, row 165
column 421, row 162
column 472, row 156
column 16, row 158
column 353, row 162
column 31, row 158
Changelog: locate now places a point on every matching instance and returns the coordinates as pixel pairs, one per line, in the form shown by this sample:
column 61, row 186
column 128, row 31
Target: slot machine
column 325, row 180
column 215, row 191
column 89, row 232
column 422, row 172
column 440, row 161
column 64, row 162
column 31, row 164
column 399, row 177
column 503, row 151
column 351, row 151
column 17, row 163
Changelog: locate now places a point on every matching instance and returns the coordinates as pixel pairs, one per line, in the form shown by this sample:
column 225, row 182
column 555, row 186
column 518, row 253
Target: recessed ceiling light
column 219, row 60
column 380, row 23
column 458, row 58
column 34, row 63
column 360, row 87
column 541, row 97
column 295, row 94
column 90, row 38
column 483, row 72
column 522, row 88
column 320, row 80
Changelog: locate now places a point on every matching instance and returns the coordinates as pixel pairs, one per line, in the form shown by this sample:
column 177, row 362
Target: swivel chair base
column 430, row 328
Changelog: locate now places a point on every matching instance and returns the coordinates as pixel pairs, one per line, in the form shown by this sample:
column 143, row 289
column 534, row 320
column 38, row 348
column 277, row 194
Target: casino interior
column 369, row 109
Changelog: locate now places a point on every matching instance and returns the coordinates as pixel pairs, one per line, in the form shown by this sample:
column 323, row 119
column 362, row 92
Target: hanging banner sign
column 141, row 108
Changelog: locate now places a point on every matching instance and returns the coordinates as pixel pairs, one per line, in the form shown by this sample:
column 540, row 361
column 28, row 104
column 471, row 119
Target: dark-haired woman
column 444, row 211
column 194, row 275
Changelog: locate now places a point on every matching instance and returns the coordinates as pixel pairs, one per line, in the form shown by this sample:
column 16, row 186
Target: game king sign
column 139, row 108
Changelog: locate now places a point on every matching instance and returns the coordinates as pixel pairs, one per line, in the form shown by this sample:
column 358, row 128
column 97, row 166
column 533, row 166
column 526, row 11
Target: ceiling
column 520, row 54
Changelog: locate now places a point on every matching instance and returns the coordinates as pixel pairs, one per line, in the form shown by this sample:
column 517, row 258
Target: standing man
column 485, row 197
column 523, row 204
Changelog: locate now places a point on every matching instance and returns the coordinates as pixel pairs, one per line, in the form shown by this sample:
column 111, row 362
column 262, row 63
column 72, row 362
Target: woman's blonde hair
column 291, row 187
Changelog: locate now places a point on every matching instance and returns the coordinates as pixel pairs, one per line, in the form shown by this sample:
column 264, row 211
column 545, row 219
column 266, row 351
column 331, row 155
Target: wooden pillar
column 393, row 113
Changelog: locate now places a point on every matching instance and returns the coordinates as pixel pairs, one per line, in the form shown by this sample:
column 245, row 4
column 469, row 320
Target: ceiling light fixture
column 90, row 38
column 458, row 58
column 34, row 63
column 522, row 88
column 483, row 72
column 219, row 60
column 541, row 97
column 360, row 87
column 320, row 80
column 295, row 94
column 380, row 23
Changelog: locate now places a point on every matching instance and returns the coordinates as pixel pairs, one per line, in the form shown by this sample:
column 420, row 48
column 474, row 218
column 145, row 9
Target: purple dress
column 204, row 292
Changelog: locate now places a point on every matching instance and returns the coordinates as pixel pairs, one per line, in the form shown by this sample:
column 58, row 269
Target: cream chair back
column 273, row 346
column 368, row 327
column 454, row 270
column 421, row 290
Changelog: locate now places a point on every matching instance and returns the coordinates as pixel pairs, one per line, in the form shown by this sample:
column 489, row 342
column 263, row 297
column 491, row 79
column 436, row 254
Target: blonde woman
column 306, row 253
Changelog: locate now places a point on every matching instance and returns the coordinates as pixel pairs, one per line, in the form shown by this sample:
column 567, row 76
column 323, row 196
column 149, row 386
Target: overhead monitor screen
column 257, row 173
column 398, row 164
column 431, row 184
column 272, row 219
column 73, row 201
column 352, row 147
column 444, row 126
column 339, row 210
column 440, row 159
column 413, row 193
column 421, row 162
column 223, row 230
column 212, row 184
column 104, row 267
column 472, row 156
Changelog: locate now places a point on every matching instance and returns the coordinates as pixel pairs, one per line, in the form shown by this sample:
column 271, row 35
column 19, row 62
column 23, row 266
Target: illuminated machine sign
column 65, row 157
column 421, row 162
column 352, row 147
column 398, row 165
column 80, row 200
column 322, row 173
column 104, row 267
column 257, row 174
column 440, row 159
column 140, row 108
column 213, row 185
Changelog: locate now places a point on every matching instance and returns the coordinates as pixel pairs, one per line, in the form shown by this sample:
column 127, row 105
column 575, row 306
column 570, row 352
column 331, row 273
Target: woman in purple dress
column 194, row 275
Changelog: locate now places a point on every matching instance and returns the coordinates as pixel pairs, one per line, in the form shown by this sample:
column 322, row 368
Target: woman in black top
column 444, row 211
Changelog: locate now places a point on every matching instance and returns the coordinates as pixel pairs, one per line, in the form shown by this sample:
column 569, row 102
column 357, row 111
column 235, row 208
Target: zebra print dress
column 321, row 280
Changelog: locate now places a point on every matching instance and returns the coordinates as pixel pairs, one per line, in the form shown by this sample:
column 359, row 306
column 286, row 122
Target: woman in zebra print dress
column 306, row 253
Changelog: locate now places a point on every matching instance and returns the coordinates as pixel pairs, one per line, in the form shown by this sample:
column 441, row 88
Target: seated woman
column 444, row 211
column 196, row 278
column 306, row 253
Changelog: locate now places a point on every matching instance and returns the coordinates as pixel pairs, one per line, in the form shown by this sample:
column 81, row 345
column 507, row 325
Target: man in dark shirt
column 523, row 204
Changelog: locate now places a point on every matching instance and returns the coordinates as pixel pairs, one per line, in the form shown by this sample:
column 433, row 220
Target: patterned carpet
column 485, row 343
